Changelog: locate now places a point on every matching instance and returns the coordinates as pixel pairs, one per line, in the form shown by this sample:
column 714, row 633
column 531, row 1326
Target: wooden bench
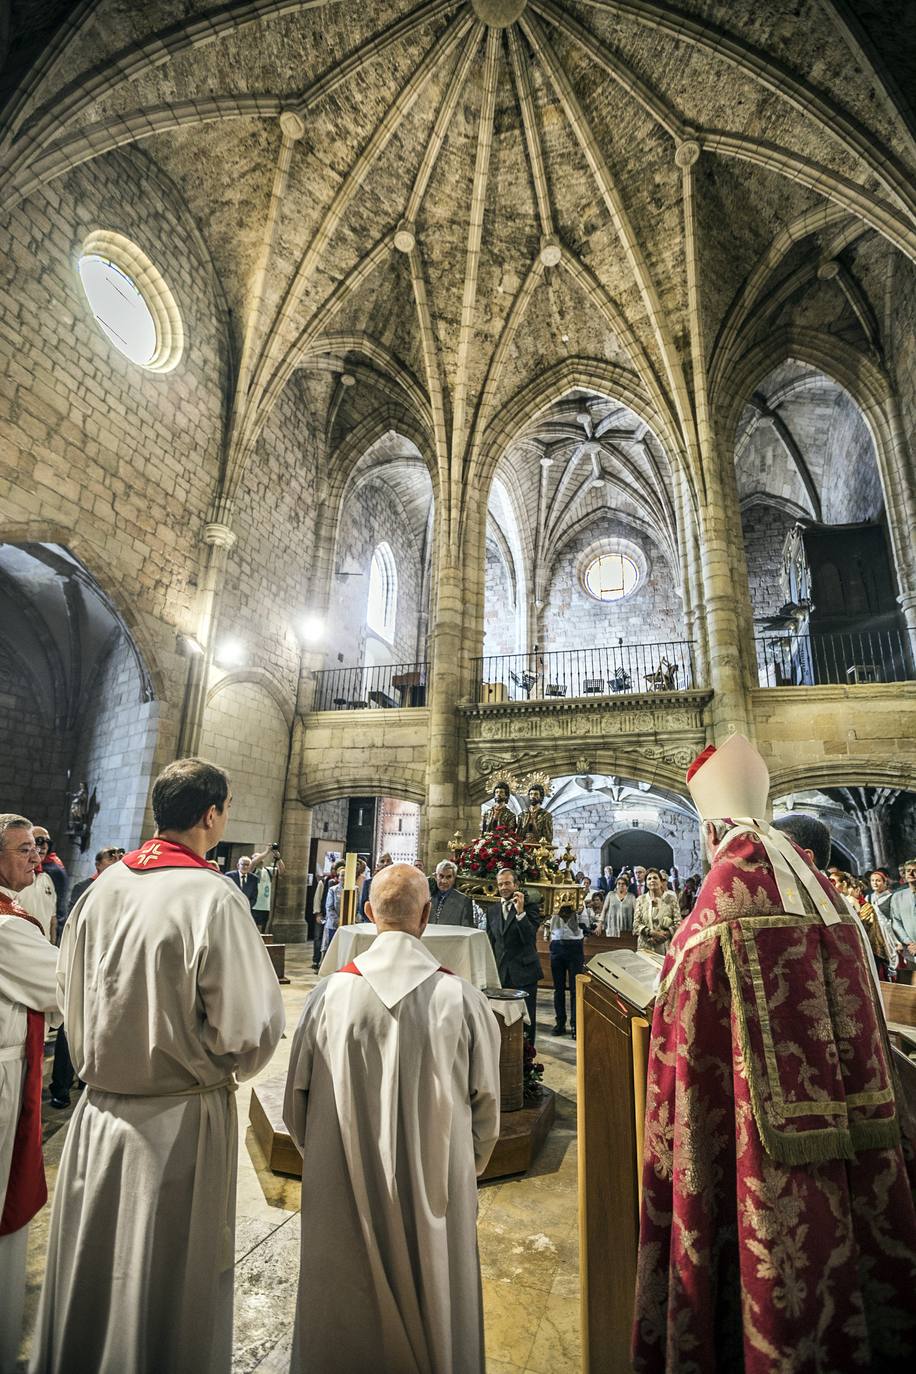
column 900, row 1009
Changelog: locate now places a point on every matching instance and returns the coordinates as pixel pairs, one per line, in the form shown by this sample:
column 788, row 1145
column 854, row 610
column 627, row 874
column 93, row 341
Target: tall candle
column 350, row 872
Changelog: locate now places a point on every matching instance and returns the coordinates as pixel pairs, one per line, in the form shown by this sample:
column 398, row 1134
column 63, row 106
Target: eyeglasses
column 42, row 843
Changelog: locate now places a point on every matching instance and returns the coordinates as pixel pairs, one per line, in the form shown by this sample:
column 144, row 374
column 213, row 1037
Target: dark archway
column 76, row 704
column 629, row 847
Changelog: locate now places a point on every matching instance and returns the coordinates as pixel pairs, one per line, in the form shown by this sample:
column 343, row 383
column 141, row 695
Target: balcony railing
column 355, row 689
column 790, row 660
column 556, row 673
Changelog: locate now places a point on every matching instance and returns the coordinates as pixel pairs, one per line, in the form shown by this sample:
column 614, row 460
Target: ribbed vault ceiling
column 463, row 197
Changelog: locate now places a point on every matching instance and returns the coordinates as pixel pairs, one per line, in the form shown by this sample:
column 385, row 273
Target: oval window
column 611, row 576
column 130, row 301
column 118, row 305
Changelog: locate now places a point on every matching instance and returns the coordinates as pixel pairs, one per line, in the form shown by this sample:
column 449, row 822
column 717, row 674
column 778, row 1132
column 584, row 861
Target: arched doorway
column 636, row 846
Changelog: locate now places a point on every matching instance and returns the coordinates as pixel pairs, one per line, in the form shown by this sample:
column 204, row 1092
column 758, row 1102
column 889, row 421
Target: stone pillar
column 725, row 595
column 218, row 538
column 866, row 850
column 900, row 505
column 444, row 768
column 456, row 639
column 879, row 831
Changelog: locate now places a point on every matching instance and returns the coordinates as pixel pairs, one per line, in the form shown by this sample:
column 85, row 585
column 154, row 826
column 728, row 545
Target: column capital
column 218, row 534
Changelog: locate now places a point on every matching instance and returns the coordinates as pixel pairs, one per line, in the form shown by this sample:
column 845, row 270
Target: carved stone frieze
column 657, row 715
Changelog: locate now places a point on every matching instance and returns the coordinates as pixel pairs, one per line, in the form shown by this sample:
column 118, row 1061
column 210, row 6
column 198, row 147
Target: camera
column 276, row 846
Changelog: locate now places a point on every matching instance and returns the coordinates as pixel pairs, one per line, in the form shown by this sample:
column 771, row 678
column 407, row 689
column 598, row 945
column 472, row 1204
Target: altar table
column 460, row 949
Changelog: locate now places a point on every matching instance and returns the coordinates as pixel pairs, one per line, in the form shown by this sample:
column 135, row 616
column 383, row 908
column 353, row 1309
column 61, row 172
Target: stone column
column 725, row 594
column 289, row 923
column 456, row 639
column 218, row 538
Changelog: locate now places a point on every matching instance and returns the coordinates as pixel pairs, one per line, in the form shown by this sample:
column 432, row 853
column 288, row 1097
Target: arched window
column 382, row 609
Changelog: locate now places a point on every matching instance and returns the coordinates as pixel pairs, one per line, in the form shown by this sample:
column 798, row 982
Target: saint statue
column 79, row 812
column 500, row 815
column 535, row 824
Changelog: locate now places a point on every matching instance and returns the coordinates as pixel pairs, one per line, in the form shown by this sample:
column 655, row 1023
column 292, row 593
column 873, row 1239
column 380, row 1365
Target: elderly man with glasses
column 45, row 899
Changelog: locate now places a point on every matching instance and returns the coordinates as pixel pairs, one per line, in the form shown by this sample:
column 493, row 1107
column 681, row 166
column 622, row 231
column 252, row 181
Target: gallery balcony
column 385, row 687
column 849, row 659
column 557, row 674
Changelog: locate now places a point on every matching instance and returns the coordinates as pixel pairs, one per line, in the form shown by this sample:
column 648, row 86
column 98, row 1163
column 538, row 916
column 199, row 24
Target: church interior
column 399, row 398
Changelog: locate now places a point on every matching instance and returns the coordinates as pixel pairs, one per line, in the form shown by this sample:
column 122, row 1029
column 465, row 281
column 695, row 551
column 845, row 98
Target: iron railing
column 792, row 660
column 556, row 673
column 353, row 689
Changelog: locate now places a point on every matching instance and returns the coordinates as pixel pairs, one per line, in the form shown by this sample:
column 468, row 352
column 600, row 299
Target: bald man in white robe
column 169, row 997
column 393, row 1100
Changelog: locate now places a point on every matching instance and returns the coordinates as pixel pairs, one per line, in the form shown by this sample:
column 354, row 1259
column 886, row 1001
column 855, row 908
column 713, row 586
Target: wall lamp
column 188, row 646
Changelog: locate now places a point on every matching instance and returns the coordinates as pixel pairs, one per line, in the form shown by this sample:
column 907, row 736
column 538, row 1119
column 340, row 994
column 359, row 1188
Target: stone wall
column 245, row 733
column 499, row 613
column 116, row 748
column 329, row 820
column 364, row 753
column 269, row 570
column 373, row 515
column 851, row 491
column 588, row 827
column 33, row 769
column 903, row 827
column 121, row 459
column 831, row 736
column 650, row 615
column 765, row 529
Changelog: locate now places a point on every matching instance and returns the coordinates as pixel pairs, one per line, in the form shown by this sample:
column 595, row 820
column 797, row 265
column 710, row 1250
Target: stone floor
column 527, row 1230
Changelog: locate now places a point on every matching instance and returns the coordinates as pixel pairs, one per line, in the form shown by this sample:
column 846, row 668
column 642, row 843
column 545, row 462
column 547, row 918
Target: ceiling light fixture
column 188, row 646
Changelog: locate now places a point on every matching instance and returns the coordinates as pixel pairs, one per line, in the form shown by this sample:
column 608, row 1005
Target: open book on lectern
column 630, row 972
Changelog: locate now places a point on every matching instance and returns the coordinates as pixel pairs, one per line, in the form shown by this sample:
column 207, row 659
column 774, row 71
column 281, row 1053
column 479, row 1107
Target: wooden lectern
column 613, row 1042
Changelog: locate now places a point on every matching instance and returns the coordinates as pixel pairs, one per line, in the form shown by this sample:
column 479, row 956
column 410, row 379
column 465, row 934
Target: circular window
column 611, row 576
column 130, row 301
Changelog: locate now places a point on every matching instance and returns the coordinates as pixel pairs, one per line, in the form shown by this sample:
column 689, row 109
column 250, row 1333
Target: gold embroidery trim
column 712, row 932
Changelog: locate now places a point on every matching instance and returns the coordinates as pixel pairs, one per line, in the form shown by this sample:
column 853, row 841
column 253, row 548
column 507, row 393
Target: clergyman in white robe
column 168, row 995
column 27, row 982
column 393, row 1100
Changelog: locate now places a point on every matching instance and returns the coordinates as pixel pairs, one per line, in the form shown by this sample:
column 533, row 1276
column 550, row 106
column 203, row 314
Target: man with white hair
column 778, row 1227
column 393, row 1100
column 28, row 990
column 450, row 906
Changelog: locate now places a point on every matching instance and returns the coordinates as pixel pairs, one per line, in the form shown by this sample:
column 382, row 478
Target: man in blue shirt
column 903, row 916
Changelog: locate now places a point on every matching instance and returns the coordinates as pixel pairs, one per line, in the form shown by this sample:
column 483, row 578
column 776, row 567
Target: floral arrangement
column 533, row 1071
column 484, row 857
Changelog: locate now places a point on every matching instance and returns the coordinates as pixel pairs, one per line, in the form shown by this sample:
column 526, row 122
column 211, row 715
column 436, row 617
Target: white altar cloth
column 464, row 951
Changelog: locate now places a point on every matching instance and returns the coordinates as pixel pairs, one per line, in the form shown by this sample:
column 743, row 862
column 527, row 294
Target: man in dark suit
column 512, row 925
column 245, row 880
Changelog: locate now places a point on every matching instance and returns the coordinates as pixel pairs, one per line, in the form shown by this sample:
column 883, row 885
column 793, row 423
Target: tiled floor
column 527, row 1230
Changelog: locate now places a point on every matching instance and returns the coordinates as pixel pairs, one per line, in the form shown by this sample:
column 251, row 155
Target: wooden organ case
column 614, row 1014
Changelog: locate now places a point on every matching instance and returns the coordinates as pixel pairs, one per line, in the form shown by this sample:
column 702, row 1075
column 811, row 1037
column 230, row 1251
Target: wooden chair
column 900, row 1009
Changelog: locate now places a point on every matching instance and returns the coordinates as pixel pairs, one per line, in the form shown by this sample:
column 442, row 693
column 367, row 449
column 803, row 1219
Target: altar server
column 778, row 1228
column 168, row 996
column 27, row 991
column 393, row 1100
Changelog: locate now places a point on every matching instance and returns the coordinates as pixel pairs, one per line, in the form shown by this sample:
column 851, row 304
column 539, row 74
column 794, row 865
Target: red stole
column 26, row 1190
column 159, row 853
